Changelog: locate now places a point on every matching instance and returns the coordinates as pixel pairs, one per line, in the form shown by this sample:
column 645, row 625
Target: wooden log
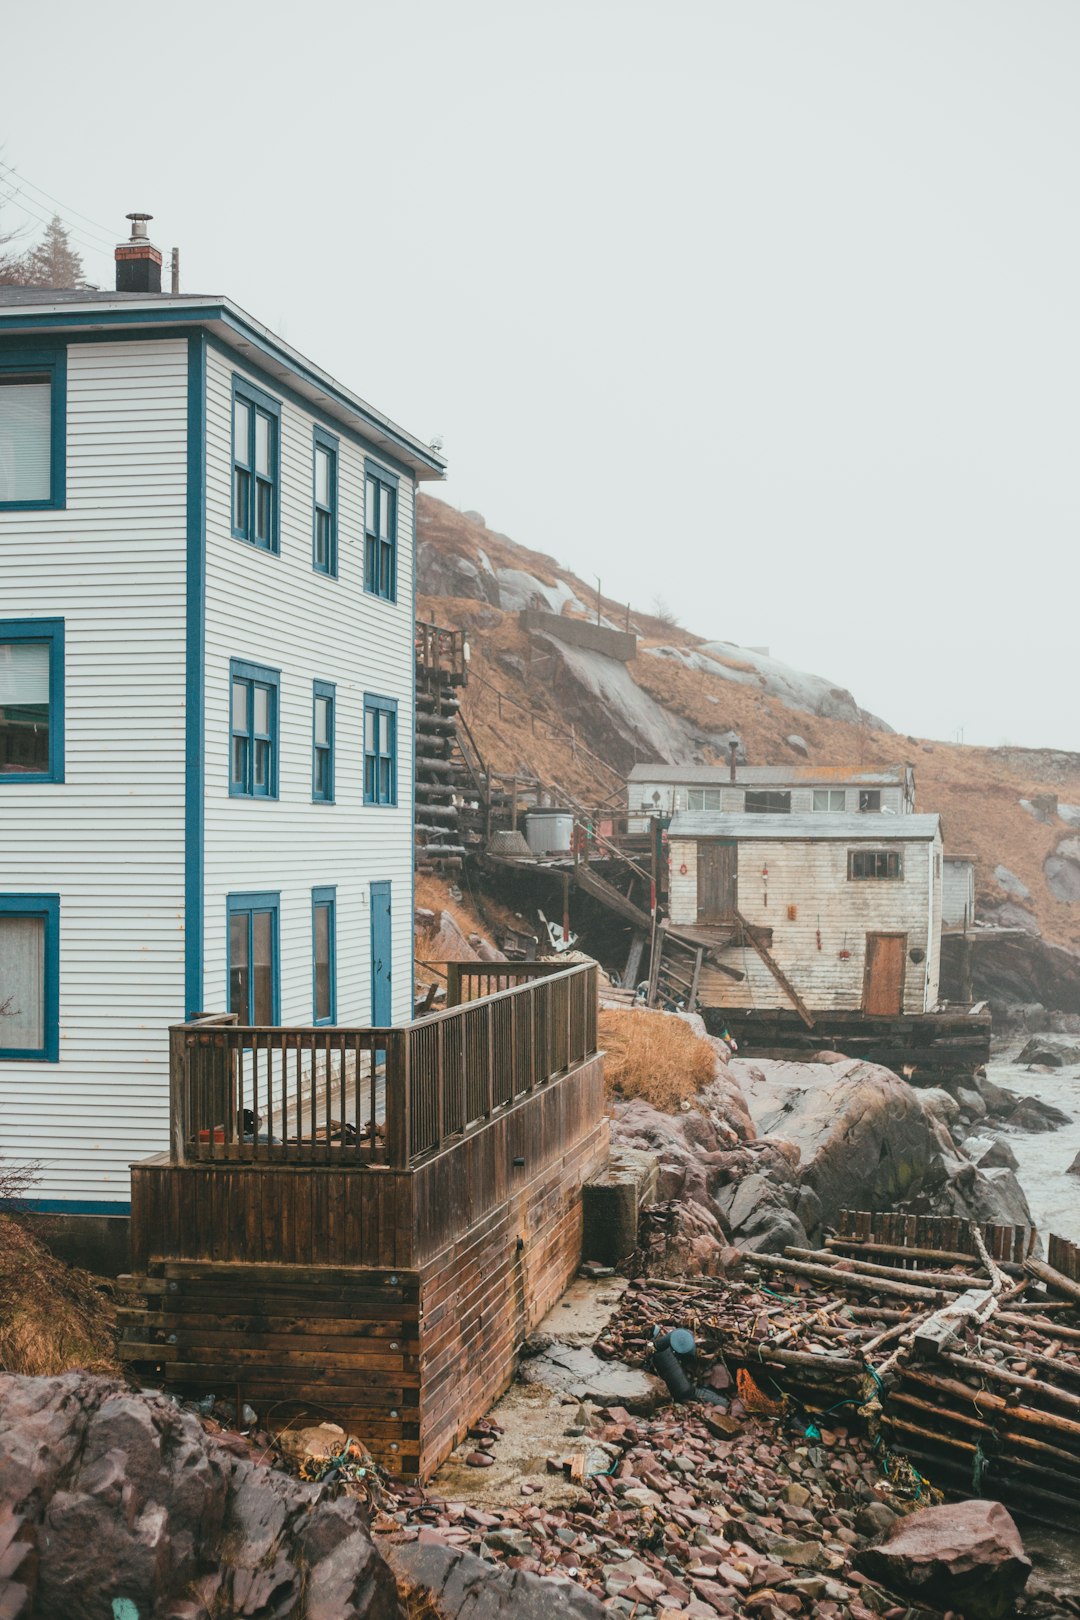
column 1013, row 1380
column 984, row 1400
column 1053, row 1279
column 844, row 1266
column 753, row 1351
column 938, row 1256
column 901, row 1397
column 850, row 1279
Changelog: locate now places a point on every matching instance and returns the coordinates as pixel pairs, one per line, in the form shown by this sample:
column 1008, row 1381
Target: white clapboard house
column 206, row 706
column 847, row 907
column 664, row 790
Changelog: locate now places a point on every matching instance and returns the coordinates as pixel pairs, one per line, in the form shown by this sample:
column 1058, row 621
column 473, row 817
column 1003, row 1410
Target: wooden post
column 398, row 1098
column 453, row 984
column 178, row 1092
column 490, row 1032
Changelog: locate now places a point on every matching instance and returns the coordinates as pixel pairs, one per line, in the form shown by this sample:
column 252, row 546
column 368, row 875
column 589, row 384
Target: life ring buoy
column 683, row 869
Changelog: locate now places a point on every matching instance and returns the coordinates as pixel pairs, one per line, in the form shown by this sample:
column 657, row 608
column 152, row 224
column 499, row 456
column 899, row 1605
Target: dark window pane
column 24, row 708
column 323, row 1001
column 239, row 977
column 262, row 929
column 241, row 492
column 262, row 766
column 239, row 761
column 263, row 509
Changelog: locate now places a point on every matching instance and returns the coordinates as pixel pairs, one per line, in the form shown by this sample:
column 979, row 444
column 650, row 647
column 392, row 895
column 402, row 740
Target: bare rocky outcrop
column 120, row 1504
column 965, row 1556
column 460, row 1584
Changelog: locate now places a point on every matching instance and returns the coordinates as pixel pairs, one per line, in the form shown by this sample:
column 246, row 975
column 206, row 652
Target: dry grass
column 53, row 1317
column 417, row 1602
column 655, row 1056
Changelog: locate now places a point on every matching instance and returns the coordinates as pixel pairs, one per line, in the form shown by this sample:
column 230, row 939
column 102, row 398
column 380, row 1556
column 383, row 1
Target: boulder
column 1074, row 1168
column 1050, row 1051
column 865, row 1138
column 1030, row 1114
column 459, row 1583
column 999, row 1100
column 128, row 1506
column 1012, row 885
column 937, row 1101
column 999, row 1156
column 965, row 1556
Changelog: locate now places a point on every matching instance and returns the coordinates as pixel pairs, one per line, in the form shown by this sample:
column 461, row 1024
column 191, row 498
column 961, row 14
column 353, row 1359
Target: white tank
column 549, row 832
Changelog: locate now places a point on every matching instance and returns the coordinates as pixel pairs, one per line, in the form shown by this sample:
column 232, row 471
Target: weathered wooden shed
column 786, row 789
column 842, row 910
column 958, row 892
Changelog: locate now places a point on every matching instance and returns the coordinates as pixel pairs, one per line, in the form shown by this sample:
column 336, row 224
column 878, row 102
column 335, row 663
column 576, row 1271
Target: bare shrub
column 655, row 1056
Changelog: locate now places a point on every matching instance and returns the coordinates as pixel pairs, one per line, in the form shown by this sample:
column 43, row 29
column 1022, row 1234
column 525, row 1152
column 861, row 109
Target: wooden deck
column 388, row 1276
column 957, row 1039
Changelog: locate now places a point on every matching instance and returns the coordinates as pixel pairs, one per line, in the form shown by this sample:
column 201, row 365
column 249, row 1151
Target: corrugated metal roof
column 872, row 828
column 751, row 775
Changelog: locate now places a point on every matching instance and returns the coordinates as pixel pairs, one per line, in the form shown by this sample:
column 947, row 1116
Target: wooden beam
column 777, row 971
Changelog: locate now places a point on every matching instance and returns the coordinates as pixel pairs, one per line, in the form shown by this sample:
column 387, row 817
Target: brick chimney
column 138, row 261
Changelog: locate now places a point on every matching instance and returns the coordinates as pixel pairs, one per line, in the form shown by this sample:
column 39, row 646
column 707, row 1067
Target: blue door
column 381, row 956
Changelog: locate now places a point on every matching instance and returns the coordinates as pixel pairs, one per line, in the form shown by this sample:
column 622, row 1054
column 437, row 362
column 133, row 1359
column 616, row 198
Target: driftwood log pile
column 955, row 1347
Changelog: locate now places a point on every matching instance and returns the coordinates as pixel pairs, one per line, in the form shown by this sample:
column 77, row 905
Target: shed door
column 883, row 985
column 717, row 891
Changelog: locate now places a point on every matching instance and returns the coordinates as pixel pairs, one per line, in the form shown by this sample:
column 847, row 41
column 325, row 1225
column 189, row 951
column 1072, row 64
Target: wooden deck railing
column 376, row 1098
column 440, row 650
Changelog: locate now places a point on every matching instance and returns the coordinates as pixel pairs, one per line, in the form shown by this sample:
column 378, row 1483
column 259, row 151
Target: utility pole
column 174, row 270
column 597, row 579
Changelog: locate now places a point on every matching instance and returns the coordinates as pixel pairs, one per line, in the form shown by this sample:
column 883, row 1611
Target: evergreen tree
column 54, row 262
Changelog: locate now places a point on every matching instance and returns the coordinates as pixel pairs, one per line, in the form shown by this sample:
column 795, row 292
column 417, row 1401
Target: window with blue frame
column 253, row 720
column 324, row 535
column 380, row 750
column 33, row 429
column 380, row 532
column 256, row 466
column 324, row 955
column 322, row 742
column 30, row 977
column 253, row 965
column 31, row 700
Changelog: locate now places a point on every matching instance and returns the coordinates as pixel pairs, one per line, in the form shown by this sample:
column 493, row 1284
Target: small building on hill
column 810, row 911
column 665, row 790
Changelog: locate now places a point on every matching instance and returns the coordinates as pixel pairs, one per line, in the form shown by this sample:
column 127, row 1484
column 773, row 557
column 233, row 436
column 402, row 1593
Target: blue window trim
column 257, row 400
column 321, row 440
column 52, row 631
column 325, row 896
column 381, row 705
column 323, row 689
column 254, row 674
column 247, row 903
column 52, row 360
column 387, row 482
column 46, row 906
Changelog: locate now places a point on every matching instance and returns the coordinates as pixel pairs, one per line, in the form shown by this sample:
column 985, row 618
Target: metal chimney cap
column 138, row 226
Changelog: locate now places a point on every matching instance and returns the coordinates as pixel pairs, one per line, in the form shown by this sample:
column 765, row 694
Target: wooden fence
column 365, row 1098
column 441, row 651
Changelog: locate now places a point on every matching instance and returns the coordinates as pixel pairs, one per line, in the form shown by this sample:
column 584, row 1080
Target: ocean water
column 1044, row 1156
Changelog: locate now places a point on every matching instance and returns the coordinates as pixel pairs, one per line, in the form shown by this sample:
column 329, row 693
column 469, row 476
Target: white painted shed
column 848, row 906
column 958, row 892
column 665, row 790
column 206, row 800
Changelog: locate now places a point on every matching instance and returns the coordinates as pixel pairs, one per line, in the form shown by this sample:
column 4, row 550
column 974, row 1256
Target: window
column 380, row 533
column 30, row 977
column 33, row 429
column 31, row 700
column 322, row 743
column 869, row 798
column 256, row 432
column 380, row 751
column 875, row 863
column 253, row 711
column 832, row 799
column 704, row 799
column 324, row 537
column 767, row 802
column 254, row 994
column 324, row 955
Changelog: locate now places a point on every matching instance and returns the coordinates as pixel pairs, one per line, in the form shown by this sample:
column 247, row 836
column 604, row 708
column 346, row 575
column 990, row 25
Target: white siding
column 275, row 610
column 958, row 892
column 109, row 839
column 812, row 877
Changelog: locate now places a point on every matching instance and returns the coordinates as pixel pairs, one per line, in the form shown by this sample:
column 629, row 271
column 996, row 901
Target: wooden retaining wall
column 393, row 1301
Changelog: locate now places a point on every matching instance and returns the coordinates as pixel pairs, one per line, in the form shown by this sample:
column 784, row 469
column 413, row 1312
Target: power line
column 83, row 242
column 14, row 174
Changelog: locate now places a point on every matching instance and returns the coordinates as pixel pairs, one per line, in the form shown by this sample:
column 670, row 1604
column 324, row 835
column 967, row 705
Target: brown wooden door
column 717, row 881
column 883, row 984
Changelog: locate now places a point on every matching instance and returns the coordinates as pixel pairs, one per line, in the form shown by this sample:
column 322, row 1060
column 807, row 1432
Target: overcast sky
column 767, row 308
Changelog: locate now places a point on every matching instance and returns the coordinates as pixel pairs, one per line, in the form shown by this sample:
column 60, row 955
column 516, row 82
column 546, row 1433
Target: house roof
column 755, row 775
column 40, row 310
column 872, row 828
